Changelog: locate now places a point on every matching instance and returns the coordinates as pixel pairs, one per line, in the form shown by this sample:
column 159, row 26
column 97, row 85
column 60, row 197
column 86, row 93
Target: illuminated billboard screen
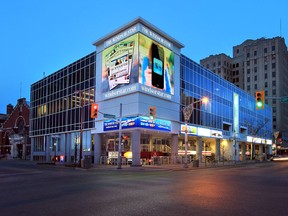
column 156, row 68
column 120, row 64
column 138, row 59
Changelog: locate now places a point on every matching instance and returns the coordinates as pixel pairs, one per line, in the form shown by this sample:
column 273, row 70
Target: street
column 255, row 189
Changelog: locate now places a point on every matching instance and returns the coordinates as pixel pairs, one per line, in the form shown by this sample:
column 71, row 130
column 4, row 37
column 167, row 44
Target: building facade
column 14, row 132
column 135, row 71
column 260, row 64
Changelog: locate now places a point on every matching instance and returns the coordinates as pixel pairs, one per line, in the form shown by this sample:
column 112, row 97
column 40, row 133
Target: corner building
column 139, row 67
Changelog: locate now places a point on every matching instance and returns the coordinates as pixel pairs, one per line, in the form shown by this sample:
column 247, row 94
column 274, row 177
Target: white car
column 280, row 158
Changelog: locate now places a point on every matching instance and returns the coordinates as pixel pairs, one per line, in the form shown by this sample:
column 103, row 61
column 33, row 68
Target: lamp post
column 119, row 161
column 55, row 145
column 187, row 112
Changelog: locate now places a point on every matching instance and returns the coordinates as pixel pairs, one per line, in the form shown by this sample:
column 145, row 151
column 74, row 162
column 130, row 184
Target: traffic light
column 152, row 112
column 260, row 99
column 94, row 110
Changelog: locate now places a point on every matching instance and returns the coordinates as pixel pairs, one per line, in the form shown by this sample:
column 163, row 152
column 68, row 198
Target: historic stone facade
column 14, row 133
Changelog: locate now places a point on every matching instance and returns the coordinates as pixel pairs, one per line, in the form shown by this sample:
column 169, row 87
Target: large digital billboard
column 138, row 59
column 120, row 64
column 156, row 68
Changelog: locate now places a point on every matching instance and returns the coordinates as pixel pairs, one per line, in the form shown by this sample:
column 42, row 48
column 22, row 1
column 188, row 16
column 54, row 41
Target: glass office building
column 55, row 112
column 137, row 72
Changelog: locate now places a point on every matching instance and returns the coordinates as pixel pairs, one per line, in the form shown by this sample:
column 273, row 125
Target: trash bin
column 87, row 162
column 196, row 163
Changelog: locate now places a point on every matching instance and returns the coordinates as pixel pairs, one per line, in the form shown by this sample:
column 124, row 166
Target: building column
column 48, row 149
column 32, row 148
column 97, row 148
column 260, row 153
column 243, row 151
column 253, row 151
column 174, row 148
column 236, row 150
column 217, row 153
column 68, row 147
column 199, row 149
column 136, row 148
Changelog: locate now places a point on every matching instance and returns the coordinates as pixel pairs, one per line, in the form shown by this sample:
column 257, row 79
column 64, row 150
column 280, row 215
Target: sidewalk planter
column 196, row 163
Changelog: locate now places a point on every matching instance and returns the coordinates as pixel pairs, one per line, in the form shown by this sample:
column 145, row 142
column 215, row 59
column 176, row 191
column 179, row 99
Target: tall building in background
column 260, row 64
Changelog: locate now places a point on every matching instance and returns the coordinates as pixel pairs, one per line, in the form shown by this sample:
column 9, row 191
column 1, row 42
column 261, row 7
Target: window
column 274, row 74
column 237, row 51
column 265, row 67
column 248, row 79
column 265, row 50
column 255, row 53
column 219, row 63
column 273, row 65
column 266, row 84
column 255, row 69
column 248, row 63
column 248, row 87
column 248, row 55
column 273, row 48
column 248, row 71
column 255, row 61
column 274, row 83
column 255, row 78
column 255, row 86
column 266, row 75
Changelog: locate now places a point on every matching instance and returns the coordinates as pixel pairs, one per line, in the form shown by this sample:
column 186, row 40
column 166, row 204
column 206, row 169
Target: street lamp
column 187, row 112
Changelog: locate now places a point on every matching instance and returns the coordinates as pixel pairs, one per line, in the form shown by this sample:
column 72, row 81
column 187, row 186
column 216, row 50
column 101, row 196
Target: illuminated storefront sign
column 216, row 133
column 201, row 131
column 189, row 152
column 142, row 122
column 190, row 129
column 259, row 140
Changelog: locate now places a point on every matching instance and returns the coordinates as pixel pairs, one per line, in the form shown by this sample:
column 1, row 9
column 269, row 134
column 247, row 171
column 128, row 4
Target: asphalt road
column 255, row 189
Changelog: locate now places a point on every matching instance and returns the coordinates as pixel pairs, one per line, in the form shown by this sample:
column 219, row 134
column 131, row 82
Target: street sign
column 109, row 116
column 284, row 99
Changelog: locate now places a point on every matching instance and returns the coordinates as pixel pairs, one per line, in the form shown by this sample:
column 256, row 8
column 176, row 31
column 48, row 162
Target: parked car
column 280, row 158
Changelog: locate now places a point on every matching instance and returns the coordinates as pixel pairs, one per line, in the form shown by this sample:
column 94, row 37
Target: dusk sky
column 42, row 36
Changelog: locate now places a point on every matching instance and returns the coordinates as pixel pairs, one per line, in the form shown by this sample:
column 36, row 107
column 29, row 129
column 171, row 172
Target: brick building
column 14, row 133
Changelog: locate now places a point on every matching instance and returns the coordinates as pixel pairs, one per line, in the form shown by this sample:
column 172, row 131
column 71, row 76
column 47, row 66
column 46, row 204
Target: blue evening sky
column 43, row 36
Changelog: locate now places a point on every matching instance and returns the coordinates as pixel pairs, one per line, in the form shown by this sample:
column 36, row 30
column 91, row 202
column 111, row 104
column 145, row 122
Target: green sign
column 109, row 116
column 284, row 99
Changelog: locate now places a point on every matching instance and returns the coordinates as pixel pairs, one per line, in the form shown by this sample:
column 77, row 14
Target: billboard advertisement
column 156, row 68
column 137, row 59
column 120, row 64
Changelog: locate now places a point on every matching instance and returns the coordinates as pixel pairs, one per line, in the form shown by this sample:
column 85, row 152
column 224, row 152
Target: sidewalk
column 178, row 167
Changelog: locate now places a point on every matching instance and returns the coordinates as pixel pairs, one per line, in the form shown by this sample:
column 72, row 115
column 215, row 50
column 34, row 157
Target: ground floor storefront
column 144, row 147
